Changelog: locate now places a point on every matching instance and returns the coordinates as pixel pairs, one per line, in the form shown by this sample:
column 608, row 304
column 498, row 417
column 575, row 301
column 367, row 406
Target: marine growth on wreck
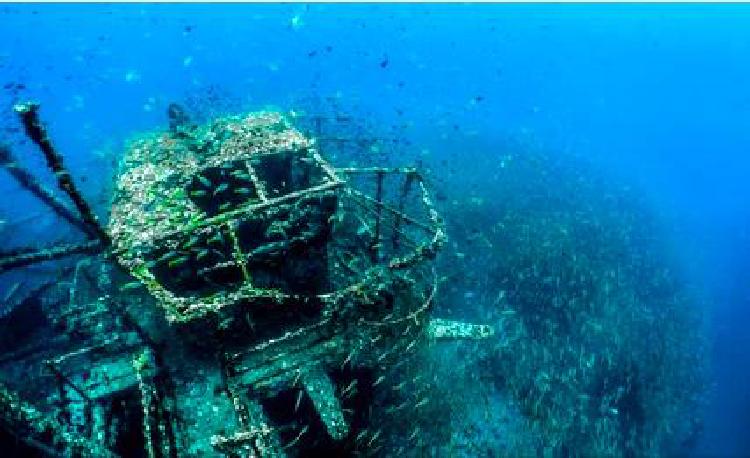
column 248, row 299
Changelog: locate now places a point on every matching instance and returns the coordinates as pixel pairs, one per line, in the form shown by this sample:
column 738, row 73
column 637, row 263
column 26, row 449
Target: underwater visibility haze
column 374, row 230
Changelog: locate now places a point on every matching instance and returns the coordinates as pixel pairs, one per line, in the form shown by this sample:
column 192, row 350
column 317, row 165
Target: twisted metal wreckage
column 271, row 291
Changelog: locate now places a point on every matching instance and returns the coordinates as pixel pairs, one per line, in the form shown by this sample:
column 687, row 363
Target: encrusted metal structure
column 269, row 293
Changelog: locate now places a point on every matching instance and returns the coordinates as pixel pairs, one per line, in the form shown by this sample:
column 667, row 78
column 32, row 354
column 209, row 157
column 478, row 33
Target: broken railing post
column 30, row 183
column 378, row 217
column 28, row 112
column 401, row 205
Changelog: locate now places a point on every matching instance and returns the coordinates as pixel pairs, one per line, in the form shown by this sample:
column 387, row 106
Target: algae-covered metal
column 272, row 291
column 242, row 231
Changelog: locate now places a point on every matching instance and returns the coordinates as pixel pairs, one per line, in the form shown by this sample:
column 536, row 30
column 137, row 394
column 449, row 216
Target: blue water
column 657, row 96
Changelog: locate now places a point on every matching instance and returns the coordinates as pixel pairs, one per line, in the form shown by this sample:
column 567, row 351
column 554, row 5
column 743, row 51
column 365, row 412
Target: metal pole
column 24, row 257
column 30, row 183
column 29, row 113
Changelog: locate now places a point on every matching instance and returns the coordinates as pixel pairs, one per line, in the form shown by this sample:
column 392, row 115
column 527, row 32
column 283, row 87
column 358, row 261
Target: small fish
column 241, row 175
column 221, row 188
column 294, row 441
column 374, row 437
column 421, row 403
column 349, row 388
column 348, row 358
column 242, row 191
column 362, row 435
column 379, row 380
column 204, row 181
column 12, row 291
column 179, row 261
column 411, row 345
column 364, row 229
column 166, row 256
column 131, row 286
column 299, row 400
column 192, row 242
column 382, row 356
column 198, row 193
column 202, row 253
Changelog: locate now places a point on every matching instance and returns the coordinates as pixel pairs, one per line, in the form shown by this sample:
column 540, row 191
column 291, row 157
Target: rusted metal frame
column 405, row 217
column 227, row 370
column 415, row 313
column 131, row 324
column 10, row 261
column 31, row 184
column 157, row 429
column 92, row 348
column 64, row 380
column 218, row 266
column 237, row 213
column 278, row 246
column 31, row 349
column 229, row 445
column 222, row 218
column 153, row 398
column 378, row 215
column 269, row 376
column 327, row 168
column 342, row 262
column 259, row 187
column 427, row 201
column 77, row 272
column 35, row 291
column 29, row 113
column 239, row 257
column 149, row 414
column 354, row 170
column 438, row 239
column 406, row 237
column 25, row 422
column 88, row 315
column 266, row 379
column 300, row 347
column 401, row 204
column 288, row 335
